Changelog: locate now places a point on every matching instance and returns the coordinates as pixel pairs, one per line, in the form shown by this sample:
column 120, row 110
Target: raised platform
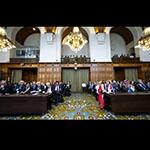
column 23, row 104
column 128, row 103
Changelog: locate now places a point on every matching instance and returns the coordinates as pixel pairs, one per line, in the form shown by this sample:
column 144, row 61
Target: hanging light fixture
column 144, row 42
column 5, row 43
column 75, row 40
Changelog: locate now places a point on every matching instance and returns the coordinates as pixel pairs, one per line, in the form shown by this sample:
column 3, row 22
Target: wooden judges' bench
column 128, row 103
column 23, row 104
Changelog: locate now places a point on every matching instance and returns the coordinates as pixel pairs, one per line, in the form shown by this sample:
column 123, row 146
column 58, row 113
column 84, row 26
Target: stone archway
column 12, row 31
column 122, row 40
column 28, row 36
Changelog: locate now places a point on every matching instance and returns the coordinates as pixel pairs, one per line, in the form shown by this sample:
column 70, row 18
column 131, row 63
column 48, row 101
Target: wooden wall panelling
column 52, row 72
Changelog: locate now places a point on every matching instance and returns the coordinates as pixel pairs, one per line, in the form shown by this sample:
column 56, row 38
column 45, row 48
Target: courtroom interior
column 74, row 73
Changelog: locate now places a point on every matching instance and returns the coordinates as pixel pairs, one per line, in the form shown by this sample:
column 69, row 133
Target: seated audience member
column 40, row 87
column 61, row 87
column 33, row 87
column 37, row 88
column 109, row 87
column 20, row 87
column 4, row 89
column 49, row 93
column 10, row 88
column 115, row 86
column 103, row 86
column 49, row 90
column 125, row 86
column 148, row 85
column 44, row 89
column 118, row 86
column 131, row 87
column 27, row 90
column 141, row 86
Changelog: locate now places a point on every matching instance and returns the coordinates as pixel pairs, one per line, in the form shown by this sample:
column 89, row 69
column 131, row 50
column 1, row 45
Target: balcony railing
column 25, row 52
column 24, row 55
column 125, row 59
column 68, row 59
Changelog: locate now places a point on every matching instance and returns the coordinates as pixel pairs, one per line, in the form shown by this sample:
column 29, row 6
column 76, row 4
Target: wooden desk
column 23, row 104
column 127, row 103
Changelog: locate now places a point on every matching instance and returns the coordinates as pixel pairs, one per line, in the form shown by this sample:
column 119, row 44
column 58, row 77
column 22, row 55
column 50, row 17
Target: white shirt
column 83, row 84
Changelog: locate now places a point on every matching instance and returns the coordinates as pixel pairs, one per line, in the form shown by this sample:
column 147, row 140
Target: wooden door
column 75, row 77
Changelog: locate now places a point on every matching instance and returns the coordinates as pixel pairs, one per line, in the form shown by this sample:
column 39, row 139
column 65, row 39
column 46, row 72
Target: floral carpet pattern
column 79, row 106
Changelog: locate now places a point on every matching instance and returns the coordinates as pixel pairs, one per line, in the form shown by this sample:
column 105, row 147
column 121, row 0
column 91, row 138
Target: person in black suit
column 67, row 89
column 20, row 87
column 140, row 86
column 33, row 87
column 48, row 91
column 4, row 88
column 57, row 96
column 61, row 87
column 40, row 87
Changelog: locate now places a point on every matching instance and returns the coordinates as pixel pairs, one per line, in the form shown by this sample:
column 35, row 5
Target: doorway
column 128, row 73
column 26, row 74
column 75, row 77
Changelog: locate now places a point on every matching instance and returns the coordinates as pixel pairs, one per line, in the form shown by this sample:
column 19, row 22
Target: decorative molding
column 101, row 38
column 50, row 38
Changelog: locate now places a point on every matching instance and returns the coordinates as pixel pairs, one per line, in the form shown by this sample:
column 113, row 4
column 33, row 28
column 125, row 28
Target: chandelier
column 75, row 40
column 144, row 42
column 5, row 43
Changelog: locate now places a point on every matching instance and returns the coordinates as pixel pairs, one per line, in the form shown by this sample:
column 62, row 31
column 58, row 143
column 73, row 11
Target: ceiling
column 23, row 33
column 124, row 32
column 70, row 29
column 26, row 31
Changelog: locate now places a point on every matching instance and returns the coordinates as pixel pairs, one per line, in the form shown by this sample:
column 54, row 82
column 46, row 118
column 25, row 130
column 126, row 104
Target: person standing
column 84, row 87
column 100, row 96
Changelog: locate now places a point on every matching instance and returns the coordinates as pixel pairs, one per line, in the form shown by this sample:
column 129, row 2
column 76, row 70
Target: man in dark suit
column 33, row 88
column 140, row 86
column 67, row 89
column 21, row 87
column 57, row 96
column 4, row 89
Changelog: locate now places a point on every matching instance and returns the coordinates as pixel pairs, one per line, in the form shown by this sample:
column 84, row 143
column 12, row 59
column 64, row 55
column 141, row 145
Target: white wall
column 100, row 52
column 137, row 52
column 144, row 55
column 4, row 57
column 136, row 31
column 48, row 51
column 118, row 45
column 33, row 40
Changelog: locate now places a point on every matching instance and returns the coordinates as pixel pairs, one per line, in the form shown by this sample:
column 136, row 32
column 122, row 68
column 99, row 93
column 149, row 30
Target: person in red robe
column 100, row 96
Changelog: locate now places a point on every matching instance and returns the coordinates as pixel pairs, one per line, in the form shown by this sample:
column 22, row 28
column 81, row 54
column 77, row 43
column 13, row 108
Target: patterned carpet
column 79, row 107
